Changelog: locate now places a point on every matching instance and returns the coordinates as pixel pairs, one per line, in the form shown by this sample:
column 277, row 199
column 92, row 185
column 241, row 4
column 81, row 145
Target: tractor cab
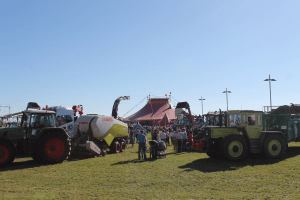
column 249, row 120
column 34, row 120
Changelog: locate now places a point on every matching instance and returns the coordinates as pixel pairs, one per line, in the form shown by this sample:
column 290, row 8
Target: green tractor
column 37, row 137
column 251, row 132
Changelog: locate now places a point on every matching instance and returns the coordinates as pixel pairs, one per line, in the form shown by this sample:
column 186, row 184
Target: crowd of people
column 179, row 137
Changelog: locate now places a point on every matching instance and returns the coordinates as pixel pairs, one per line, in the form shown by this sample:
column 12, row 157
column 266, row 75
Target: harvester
column 252, row 132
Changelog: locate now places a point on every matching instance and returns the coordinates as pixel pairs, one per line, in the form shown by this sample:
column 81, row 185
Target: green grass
column 178, row 176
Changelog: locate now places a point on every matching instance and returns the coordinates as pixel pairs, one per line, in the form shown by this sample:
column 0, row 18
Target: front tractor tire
column 53, row 148
column 234, row 147
column 274, row 146
column 7, row 153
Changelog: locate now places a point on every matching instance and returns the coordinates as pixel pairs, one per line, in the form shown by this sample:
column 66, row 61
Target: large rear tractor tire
column 274, row 146
column 234, row 147
column 115, row 147
column 7, row 153
column 53, row 148
column 123, row 146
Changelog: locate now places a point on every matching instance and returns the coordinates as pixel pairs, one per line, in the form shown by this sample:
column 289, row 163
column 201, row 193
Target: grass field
column 178, row 176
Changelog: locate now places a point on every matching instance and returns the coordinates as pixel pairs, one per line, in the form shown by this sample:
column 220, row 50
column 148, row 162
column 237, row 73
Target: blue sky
column 91, row 52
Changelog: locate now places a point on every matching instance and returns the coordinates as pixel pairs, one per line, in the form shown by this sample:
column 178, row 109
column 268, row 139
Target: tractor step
column 254, row 147
column 30, row 147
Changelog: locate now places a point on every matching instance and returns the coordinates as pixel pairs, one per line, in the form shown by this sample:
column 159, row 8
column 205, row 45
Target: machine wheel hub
column 235, row 148
column 274, row 147
column 54, row 148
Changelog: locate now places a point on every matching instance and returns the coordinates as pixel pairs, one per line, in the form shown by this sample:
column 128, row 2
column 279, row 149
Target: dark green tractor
column 37, row 137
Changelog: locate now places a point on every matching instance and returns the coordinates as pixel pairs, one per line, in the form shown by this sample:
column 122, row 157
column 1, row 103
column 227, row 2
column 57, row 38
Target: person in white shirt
column 172, row 135
column 179, row 140
column 163, row 135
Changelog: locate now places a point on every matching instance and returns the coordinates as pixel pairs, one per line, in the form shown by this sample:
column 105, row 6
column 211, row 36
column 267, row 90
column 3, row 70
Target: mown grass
column 178, row 176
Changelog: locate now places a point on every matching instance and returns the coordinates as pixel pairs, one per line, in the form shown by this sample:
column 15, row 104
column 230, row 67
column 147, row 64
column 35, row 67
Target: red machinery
column 78, row 109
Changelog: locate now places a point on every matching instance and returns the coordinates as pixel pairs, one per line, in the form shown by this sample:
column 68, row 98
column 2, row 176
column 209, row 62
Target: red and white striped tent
column 157, row 110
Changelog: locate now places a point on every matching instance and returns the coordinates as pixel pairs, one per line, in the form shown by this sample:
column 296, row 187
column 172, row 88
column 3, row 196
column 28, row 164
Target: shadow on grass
column 219, row 164
column 23, row 165
column 32, row 163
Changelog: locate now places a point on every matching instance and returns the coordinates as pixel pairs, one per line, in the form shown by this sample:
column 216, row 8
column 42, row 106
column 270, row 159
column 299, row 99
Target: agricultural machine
column 66, row 116
column 39, row 137
column 253, row 132
column 180, row 112
column 36, row 137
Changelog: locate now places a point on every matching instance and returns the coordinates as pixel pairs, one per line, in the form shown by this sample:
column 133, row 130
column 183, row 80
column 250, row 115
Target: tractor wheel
column 115, row 147
column 123, row 145
column 234, row 147
column 53, row 148
column 211, row 152
column 274, row 146
column 7, row 153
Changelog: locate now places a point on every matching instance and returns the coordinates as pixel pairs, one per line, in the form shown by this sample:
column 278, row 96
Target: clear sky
column 67, row 53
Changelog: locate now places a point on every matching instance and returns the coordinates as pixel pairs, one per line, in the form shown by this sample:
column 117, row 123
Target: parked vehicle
column 39, row 137
column 252, row 132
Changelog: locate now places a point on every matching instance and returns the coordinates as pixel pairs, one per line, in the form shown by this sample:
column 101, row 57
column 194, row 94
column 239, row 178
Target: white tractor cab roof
column 63, row 110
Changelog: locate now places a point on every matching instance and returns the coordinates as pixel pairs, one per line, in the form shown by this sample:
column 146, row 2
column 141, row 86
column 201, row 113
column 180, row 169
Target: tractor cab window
column 251, row 120
column 42, row 120
column 63, row 119
column 216, row 120
column 234, row 119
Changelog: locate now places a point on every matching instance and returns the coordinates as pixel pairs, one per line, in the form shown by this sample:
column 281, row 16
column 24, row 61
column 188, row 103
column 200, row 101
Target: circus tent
column 157, row 111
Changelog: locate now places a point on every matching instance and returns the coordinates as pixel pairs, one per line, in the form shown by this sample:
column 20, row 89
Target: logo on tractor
column 107, row 119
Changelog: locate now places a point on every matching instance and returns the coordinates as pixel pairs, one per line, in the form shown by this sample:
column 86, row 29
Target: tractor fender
column 45, row 131
column 266, row 133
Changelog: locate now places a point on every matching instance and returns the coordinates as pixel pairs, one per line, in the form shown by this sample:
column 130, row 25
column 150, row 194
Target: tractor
column 251, row 132
column 37, row 137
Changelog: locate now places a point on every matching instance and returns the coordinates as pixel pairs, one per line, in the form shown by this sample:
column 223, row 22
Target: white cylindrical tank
column 103, row 127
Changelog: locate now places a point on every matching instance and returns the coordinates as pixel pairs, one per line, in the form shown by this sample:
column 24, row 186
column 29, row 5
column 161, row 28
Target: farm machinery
column 66, row 116
column 39, row 138
column 253, row 132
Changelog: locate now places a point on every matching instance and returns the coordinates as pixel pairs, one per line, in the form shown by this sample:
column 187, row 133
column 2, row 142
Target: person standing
column 132, row 136
column 163, row 135
column 167, row 137
column 179, row 137
column 175, row 140
column 184, row 139
column 142, row 140
column 171, row 135
column 137, row 132
column 191, row 140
